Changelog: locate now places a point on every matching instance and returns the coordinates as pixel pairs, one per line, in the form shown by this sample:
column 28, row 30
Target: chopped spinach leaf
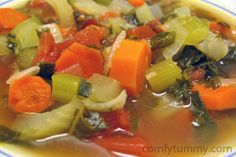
column 131, row 19
column 190, row 57
column 7, row 135
column 85, row 89
column 90, row 123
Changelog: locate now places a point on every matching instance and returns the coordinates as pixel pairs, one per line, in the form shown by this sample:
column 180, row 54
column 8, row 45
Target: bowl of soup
column 117, row 78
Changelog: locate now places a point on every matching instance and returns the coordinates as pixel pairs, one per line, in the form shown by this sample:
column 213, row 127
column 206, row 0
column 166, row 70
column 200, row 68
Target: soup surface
column 116, row 78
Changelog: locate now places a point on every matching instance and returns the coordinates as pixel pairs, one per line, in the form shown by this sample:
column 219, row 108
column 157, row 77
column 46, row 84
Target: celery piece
column 26, row 33
column 64, row 11
column 24, row 57
column 103, row 88
column 198, row 30
column 163, row 75
column 116, row 25
column 65, row 87
column 38, row 126
column 103, row 2
column 214, row 47
column 3, row 46
column 144, row 14
column 89, row 7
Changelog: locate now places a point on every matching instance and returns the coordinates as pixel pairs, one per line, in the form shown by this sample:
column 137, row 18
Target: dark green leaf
column 7, row 135
column 134, row 121
column 162, row 40
column 46, row 70
column 181, row 91
column 90, row 123
column 205, row 127
column 131, row 19
column 85, row 89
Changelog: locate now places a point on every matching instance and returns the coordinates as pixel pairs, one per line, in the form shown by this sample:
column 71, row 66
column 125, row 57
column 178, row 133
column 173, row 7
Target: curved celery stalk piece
column 38, row 126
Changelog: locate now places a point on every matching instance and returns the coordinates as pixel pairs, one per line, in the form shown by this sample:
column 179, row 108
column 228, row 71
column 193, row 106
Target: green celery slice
column 65, row 87
column 163, row 75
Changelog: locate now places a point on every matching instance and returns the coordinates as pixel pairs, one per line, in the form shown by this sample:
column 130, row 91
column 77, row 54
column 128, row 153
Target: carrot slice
column 89, row 60
column 222, row 98
column 29, row 94
column 9, row 18
column 129, row 64
column 136, row 3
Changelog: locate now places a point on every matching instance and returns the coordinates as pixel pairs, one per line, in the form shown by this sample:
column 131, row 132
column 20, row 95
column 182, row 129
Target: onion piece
column 27, row 72
column 114, row 47
column 114, row 104
column 64, row 11
column 156, row 11
column 121, row 6
column 54, row 30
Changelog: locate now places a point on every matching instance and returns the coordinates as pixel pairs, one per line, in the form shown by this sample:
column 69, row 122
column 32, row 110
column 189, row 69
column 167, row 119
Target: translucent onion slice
column 27, row 72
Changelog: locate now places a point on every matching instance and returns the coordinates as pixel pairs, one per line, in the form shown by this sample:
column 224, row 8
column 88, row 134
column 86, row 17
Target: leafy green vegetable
column 131, row 19
column 7, row 135
column 205, row 127
column 162, row 40
column 190, row 57
column 4, row 46
column 85, row 89
column 181, row 91
column 90, row 123
column 46, row 70
column 203, row 122
column 134, row 122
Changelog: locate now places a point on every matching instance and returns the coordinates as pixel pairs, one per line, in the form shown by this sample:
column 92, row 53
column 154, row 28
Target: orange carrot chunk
column 136, row 3
column 29, row 94
column 87, row 60
column 9, row 18
column 129, row 64
column 222, row 98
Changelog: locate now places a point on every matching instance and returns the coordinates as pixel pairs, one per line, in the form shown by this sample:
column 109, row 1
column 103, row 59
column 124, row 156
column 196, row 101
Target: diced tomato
column 118, row 119
column 90, row 36
column 46, row 51
column 141, row 32
column 197, row 74
column 81, row 60
column 156, row 26
column 132, row 145
column 37, row 4
column 88, row 22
